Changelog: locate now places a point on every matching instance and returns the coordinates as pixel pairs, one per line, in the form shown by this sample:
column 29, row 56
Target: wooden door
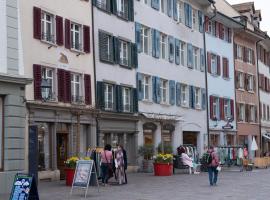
column 62, row 152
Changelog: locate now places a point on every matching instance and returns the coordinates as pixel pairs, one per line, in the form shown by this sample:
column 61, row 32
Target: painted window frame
column 145, row 39
column 126, row 96
column 108, row 102
column 44, row 22
column 52, row 80
column 76, row 36
column 164, row 89
column 184, row 95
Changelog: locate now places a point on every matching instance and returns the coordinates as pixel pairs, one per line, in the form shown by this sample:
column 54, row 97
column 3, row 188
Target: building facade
column 57, row 54
column 170, row 75
column 116, row 63
column 12, row 97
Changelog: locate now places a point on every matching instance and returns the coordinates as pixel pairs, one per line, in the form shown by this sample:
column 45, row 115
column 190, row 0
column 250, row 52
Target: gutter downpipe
column 206, row 71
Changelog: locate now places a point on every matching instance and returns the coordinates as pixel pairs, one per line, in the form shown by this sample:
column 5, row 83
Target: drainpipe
column 206, row 71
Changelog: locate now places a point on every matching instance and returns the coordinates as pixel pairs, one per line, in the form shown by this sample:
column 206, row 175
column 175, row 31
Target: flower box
column 163, row 169
column 69, row 176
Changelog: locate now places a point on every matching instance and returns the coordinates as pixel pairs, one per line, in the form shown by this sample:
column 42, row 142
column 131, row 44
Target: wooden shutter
column 238, row 111
column 100, row 95
column 119, row 98
column 209, row 55
column 87, row 89
column 218, row 65
column 37, row 76
column 221, row 108
column 253, row 57
column 172, row 92
column 86, row 39
column 235, row 50
column 237, row 81
column 232, row 108
column 169, row 7
column 206, row 18
column 135, row 100
column 67, row 87
column 61, row 84
column 217, row 31
column 211, row 107
column 130, row 10
column 244, row 54
column 67, row 34
column 59, row 31
column 229, row 35
column 37, row 23
column 138, row 36
column 221, row 32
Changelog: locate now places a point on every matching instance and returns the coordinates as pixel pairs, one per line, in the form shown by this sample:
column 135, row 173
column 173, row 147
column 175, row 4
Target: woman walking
column 212, row 167
column 120, row 165
column 106, row 164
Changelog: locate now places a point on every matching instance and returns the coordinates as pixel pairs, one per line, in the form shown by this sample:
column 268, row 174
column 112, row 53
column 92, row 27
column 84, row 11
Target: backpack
column 207, row 158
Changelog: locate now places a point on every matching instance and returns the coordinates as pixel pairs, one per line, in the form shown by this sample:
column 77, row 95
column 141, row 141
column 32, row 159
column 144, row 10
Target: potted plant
column 163, row 165
column 147, row 152
column 166, row 149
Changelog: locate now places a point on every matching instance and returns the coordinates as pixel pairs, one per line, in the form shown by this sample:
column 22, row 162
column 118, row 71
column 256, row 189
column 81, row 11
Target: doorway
column 62, row 152
column 190, row 138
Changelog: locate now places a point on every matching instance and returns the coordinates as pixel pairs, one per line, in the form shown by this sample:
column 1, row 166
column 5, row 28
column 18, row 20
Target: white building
column 57, row 54
column 171, row 73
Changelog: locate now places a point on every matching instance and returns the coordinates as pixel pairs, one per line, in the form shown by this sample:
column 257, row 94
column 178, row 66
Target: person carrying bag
column 106, row 164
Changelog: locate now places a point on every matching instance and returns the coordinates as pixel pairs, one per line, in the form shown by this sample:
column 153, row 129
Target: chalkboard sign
column 24, row 188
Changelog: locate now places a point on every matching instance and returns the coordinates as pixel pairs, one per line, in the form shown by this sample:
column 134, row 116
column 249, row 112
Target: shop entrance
column 190, row 138
column 62, row 152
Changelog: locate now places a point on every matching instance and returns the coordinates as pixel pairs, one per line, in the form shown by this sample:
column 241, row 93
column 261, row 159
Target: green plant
column 72, row 161
column 167, row 149
column 147, row 151
column 163, row 158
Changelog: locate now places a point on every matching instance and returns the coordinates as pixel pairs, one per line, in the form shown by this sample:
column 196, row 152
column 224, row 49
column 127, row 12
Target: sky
column 262, row 5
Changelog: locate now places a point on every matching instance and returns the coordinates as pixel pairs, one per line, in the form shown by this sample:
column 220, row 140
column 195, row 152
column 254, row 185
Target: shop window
column 214, row 139
column 167, row 138
column 230, row 139
column 1, row 135
column 148, row 137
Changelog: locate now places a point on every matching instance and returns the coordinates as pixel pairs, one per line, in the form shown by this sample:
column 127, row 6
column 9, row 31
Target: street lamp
column 46, row 89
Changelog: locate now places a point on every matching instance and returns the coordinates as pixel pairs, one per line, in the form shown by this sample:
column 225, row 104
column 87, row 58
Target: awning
column 159, row 116
column 266, row 135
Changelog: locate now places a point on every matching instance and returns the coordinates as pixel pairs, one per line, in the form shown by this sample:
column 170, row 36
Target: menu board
column 83, row 173
column 24, row 188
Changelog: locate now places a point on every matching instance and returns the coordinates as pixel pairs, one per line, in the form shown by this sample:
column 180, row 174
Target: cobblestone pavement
column 253, row 185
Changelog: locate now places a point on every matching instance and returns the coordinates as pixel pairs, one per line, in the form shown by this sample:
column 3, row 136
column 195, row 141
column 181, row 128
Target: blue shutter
column 203, row 91
column 177, row 51
column 153, row 31
column 155, row 4
column 157, row 39
column 171, row 48
column 178, row 94
column 175, row 10
column 138, row 28
column 116, row 50
column 119, row 98
column 140, row 88
column 158, row 92
column 190, row 16
column 172, row 92
column 189, row 55
column 154, row 91
column 186, row 14
column 202, row 60
column 169, row 7
column 191, row 96
column 200, row 16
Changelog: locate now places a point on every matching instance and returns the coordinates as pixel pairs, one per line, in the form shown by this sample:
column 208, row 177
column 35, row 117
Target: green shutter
column 119, row 98
column 116, row 50
column 100, row 95
column 130, row 10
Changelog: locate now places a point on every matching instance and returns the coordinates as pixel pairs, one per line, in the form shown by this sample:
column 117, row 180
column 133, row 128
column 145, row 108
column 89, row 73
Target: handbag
column 110, row 169
column 218, row 168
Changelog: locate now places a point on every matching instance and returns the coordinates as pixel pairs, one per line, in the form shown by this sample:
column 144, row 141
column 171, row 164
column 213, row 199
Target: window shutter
column 134, row 55
column 256, row 114
column 154, row 89
column 116, row 98
column 232, row 108
column 203, row 91
column 37, row 23
column 177, row 51
column 171, row 49
column 221, row 108
column 119, row 98
column 190, row 16
column 157, row 38
column 209, row 55
column 217, row 29
column 202, row 60
column 172, row 92
column 154, row 48
column 87, row 89
column 135, row 100
column 59, row 31
column 200, row 19
column 138, row 36
column 103, row 46
column 67, row 34
column 186, row 10
column 260, row 80
column 211, row 107
column 178, row 94
column 158, row 92
column 218, row 65
column 155, row 4
column 237, row 81
column 67, row 87
column 170, row 7
column 253, row 57
column 100, row 95
column 140, row 88
column 221, row 32
column 235, row 50
column 246, row 82
column 225, row 68
column 37, row 76
column 191, row 97
column 245, row 54
column 229, row 35
column 86, row 39
column 255, row 84
column 116, row 51
column 247, row 112
column 131, row 10
column 189, row 55
column 206, row 19
column 61, row 84
column 175, row 10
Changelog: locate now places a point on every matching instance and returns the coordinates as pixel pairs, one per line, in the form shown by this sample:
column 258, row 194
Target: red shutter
column 209, row 61
column 211, row 107
column 67, row 34
column 235, row 50
column 260, row 80
column 221, row 108
column 206, row 19
column 247, row 112
column 218, row 65
column 67, row 87
column 59, row 31
column 228, row 68
column 244, row 54
column 224, row 63
column 61, row 84
column 232, row 108
column 37, row 23
column 87, row 87
column 86, row 39
column 217, row 29
column 37, row 82
column 237, row 83
column 253, row 57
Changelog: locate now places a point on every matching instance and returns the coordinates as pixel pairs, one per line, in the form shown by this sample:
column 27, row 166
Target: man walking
column 212, row 166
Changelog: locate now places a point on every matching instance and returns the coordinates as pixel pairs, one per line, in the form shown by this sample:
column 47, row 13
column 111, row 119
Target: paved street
column 233, row 185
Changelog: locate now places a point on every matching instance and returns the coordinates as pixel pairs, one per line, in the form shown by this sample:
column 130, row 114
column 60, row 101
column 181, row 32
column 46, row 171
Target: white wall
column 3, row 37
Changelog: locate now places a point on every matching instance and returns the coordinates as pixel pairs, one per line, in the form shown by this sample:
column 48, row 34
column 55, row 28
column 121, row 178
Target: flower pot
column 163, row 169
column 69, row 176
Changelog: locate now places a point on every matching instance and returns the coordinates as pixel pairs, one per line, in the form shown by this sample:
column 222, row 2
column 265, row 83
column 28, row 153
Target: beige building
column 57, row 54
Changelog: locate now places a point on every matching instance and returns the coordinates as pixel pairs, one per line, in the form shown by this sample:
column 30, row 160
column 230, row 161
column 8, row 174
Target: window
column 180, row 11
column 48, row 80
column 148, row 137
column 184, row 95
column 163, row 45
column 47, row 27
column 250, row 83
column 268, row 113
column 264, row 111
column 122, row 8
column 102, row 4
column 198, row 97
column 164, row 90
column 194, row 19
column 76, row 88
column 249, row 56
column 195, row 58
column 109, row 95
column 216, row 107
column 227, row 109
column 241, row 116
column 239, row 52
column 145, row 39
column 210, row 27
column 252, row 113
column 105, row 47
column 214, row 28
column 214, row 64
column 182, row 53
column 241, row 80
column 162, row 6
column 126, row 99
column 76, row 36
column 146, row 87
column 124, row 52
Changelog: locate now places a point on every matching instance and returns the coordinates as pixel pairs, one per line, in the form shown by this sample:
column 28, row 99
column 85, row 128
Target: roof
column 244, row 7
column 258, row 14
